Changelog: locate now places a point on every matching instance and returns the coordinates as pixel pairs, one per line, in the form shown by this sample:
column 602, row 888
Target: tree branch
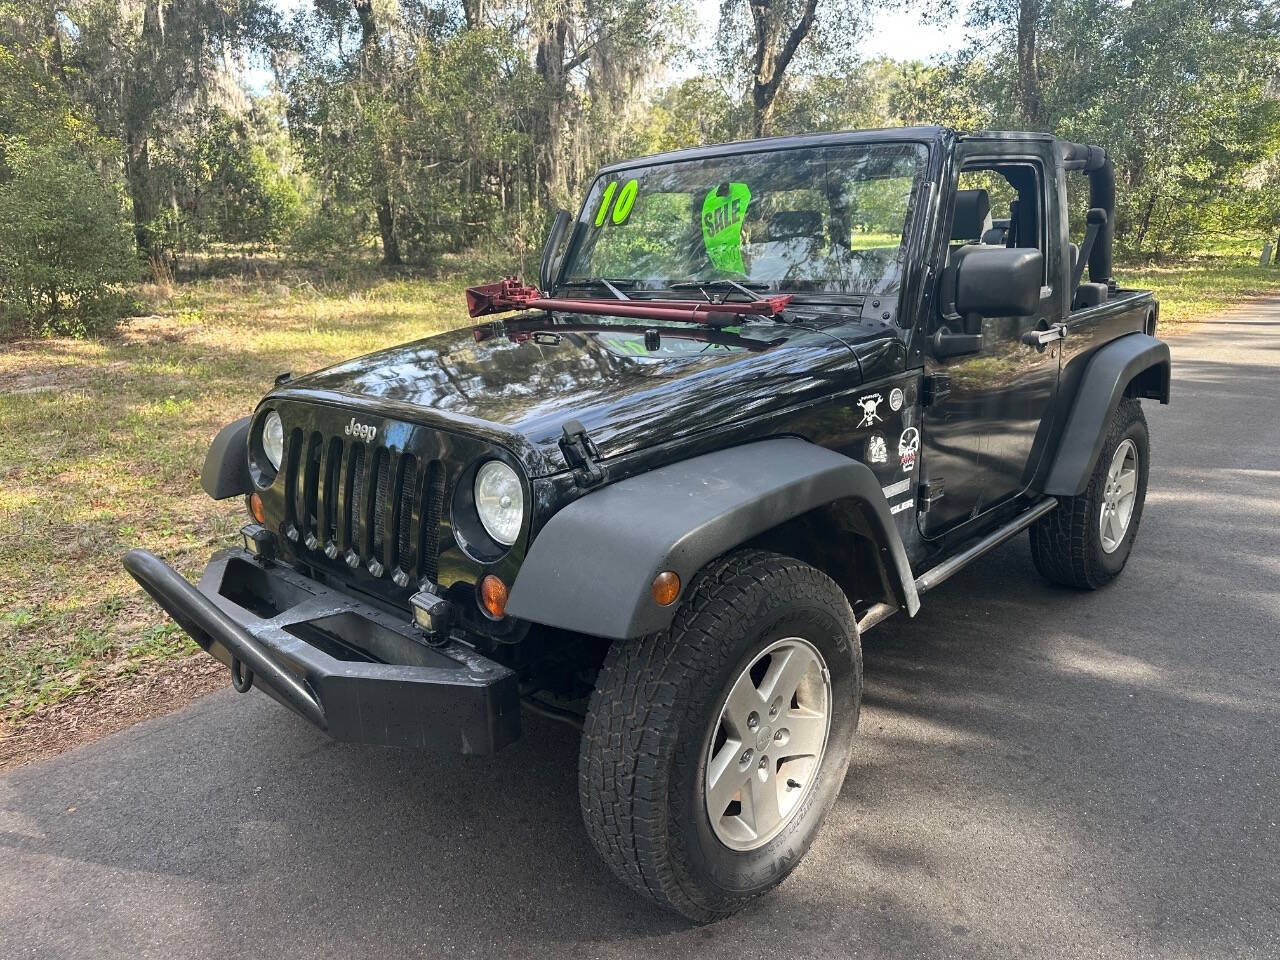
column 794, row 39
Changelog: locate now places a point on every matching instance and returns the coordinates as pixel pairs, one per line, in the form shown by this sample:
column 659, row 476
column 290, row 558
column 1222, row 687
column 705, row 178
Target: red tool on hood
column 511, row 294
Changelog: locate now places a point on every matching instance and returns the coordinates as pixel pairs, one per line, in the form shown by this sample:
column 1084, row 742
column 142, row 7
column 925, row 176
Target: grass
column 1195, row 289
column 103, row 442
column 102, row 448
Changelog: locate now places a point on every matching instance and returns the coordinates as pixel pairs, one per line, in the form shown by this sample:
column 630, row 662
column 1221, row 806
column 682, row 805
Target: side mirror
column 999, row 281
column 546, row 270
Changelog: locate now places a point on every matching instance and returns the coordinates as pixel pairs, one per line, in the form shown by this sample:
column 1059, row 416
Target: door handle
column 1042, row 338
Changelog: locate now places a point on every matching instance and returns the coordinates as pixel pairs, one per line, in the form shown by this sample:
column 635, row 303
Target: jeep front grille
column 371, row 507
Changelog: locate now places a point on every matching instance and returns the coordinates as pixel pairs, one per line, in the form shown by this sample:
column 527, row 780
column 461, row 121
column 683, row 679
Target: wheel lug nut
column 747, row 755
column 753, row 721
column 764, row 763
column 779, row 735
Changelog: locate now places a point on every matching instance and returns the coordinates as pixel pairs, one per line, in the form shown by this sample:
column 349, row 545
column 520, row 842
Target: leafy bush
column 64, row 246
column 332, row 232
column 233, row 179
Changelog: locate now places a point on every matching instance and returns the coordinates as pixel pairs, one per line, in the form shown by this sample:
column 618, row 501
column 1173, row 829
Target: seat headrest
column 972, row 207
column 793, row 224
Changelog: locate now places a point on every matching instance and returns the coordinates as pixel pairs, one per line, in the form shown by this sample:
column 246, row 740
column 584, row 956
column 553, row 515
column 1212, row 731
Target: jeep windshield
column 807, row 220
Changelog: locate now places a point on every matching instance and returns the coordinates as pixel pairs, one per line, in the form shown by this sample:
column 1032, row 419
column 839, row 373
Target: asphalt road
column 1039, row 774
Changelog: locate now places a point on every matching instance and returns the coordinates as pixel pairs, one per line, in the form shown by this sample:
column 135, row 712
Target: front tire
column 712, row 751
column 1087, row 540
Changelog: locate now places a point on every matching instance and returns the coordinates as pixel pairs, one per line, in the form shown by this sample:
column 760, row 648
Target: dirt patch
column 157, row 688
column 42, row 380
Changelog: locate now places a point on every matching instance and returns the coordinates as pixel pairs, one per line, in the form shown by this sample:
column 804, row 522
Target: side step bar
column 878, row 613
column 943, row 571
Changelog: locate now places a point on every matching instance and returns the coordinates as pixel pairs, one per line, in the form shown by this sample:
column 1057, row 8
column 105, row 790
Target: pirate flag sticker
column 723, row 211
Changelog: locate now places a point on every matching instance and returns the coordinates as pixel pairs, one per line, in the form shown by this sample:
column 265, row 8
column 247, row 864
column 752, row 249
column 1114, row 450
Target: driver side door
column 979, row 446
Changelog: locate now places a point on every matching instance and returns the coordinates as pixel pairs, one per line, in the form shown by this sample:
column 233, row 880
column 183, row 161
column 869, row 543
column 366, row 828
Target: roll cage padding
column 590, row 569
column 1094, row 162
column 1111, row 370
column 226, row 465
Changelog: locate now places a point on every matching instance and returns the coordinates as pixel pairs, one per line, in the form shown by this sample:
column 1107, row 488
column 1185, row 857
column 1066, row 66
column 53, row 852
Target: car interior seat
column 973, row 215
column 998, row 234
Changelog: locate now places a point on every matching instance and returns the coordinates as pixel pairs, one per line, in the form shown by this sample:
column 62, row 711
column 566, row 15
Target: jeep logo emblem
column 361, row 431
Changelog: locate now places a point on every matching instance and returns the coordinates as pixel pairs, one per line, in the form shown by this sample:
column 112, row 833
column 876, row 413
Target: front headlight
column 499, row 501
column 273, row 438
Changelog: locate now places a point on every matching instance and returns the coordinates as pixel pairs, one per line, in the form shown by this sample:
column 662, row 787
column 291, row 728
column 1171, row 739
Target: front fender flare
column 590, row 568
column 1110, row 371
column 226, row 465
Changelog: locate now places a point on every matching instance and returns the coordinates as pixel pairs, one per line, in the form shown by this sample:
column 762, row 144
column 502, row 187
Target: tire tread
column 1065, row 542
column 623, row 782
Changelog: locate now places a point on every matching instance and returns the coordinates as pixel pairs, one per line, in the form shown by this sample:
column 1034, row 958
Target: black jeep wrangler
column 766, row 395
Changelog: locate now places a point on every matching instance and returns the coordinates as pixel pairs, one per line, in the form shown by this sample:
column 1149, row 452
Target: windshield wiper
column 748, row 290
column 609, row 283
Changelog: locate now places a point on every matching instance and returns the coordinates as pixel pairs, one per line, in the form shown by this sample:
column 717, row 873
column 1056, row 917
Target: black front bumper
column 358, row 673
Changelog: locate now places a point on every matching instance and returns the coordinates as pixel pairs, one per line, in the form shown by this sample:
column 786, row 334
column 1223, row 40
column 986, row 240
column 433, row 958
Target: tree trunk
column 550, row 65
column 772, row 56
column 54, row 64
column 137, row 174
column 762, row 114
column 1029, row 102
column 1141, row 238
column 137, row 94
column 387, row 227
column 372, row 55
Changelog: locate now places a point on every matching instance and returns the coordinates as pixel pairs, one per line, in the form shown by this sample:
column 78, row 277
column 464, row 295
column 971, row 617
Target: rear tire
column 663, row 734
column 1086, row 541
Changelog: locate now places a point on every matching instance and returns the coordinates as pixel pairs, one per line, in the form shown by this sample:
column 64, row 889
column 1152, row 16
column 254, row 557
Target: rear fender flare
column 591, row 567
column 1137, row 358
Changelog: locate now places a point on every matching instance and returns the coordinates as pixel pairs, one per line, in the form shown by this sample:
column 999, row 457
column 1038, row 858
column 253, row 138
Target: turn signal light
column 665, row 588
column 256, row 508
column 493, row 596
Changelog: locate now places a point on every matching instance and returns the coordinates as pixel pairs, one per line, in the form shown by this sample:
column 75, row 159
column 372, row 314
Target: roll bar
column 1094, row 162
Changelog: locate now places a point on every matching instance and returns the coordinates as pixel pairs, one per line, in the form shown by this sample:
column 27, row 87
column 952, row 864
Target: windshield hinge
column 935, row 389
column 580, row 453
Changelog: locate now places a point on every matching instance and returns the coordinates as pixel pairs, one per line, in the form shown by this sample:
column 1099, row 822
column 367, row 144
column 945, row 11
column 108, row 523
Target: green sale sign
column 723, row 212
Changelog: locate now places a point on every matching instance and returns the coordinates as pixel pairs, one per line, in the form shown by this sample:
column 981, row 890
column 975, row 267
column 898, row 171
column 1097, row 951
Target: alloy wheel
column 768, row 743
column 1119, row 495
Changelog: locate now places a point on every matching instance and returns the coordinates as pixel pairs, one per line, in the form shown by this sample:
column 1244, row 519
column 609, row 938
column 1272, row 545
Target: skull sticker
column 908, row 447
column 870, row 406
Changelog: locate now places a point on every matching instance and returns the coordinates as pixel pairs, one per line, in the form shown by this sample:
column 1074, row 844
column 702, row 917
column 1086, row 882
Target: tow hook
column 241, row 676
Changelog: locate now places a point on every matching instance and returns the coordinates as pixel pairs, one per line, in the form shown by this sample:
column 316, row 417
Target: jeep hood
column 520, row 384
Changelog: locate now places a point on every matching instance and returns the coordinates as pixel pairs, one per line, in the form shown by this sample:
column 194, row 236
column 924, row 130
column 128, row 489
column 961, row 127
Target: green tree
column 234, row 179
column 1182, row 93
column 147, row 69
column 63, row 243
column 758, row 41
